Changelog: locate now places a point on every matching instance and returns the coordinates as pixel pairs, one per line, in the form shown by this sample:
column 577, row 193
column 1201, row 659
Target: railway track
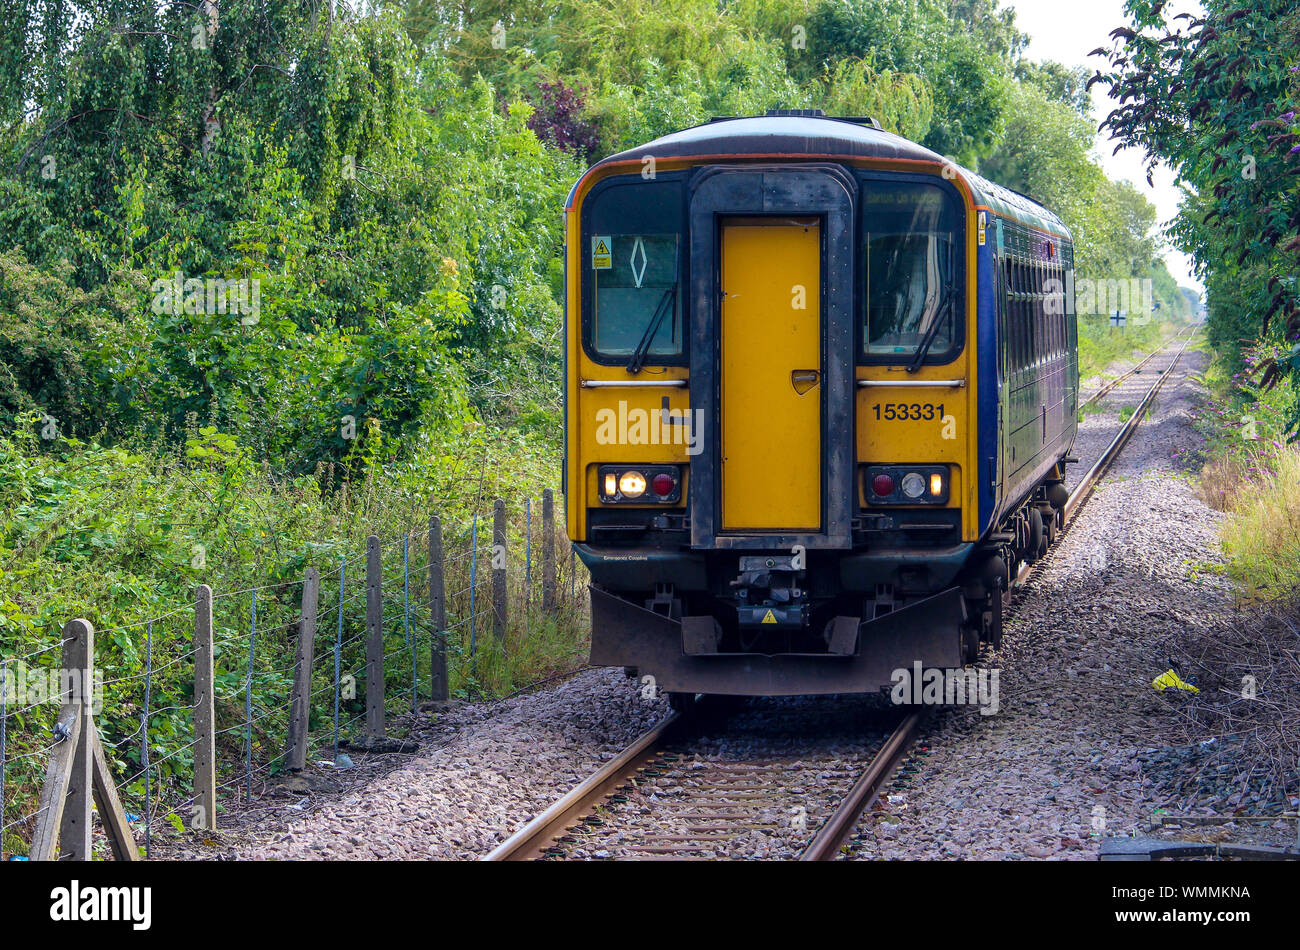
column 1136, row 368
column 715, row 783
column 1082, row 489
column 676, row 792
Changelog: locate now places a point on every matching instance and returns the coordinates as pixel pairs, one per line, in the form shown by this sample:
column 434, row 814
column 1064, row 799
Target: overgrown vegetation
column 133, row 531
column 1253, row 475
column 1215, row 97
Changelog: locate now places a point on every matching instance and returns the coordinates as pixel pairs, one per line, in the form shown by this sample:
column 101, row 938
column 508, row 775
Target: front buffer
column 927, row 631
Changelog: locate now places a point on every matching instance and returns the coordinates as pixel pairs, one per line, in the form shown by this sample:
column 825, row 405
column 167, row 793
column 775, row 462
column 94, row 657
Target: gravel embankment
column 1083, row 746
column 483, row 770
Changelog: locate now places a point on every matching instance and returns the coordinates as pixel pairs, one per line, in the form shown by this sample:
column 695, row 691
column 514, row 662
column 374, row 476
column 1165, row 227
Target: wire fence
column 214, row 697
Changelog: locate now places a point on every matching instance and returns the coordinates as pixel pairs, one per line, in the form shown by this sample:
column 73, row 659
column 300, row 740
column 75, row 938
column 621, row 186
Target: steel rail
column 531, row 841
column 1106, row 389
column 1083, row 490
column 1099, row 467
column 826, row 845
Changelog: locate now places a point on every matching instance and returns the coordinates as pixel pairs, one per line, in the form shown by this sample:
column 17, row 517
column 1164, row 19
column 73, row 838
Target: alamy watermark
column 664, row 426
column 946, row 687
column 90, row 902
column 23, row 685
column 176, row 295
column 1134, row 297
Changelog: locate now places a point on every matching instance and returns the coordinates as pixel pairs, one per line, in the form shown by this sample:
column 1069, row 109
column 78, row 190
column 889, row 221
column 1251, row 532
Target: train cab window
column 631, row 262
column 913, row 291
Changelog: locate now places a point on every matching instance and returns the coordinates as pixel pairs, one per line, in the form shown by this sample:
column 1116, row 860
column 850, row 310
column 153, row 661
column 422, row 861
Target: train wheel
column 995, row 626
column 1035, row 548
column 681, row 702
column 725, row 702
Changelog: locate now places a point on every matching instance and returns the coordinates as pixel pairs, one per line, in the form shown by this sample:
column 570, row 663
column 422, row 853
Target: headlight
column 644, row 484
column 906, row 484
column 631, row 485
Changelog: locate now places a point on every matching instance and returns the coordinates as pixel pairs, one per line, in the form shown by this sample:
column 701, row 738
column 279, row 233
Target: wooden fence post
column 204, row 814
column 374, row 641
column 500, row 615
column 79, row 662
column 300, row 710
column 548, row 550
column 54, row 792
column 77, row 773
column 63, row 818
column 439, row 685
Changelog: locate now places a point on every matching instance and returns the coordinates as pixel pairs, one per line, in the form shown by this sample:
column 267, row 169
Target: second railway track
column 778, row 779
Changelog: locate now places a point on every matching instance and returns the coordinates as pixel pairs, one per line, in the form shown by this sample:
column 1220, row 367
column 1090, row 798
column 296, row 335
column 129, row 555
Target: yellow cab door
column 771, row 375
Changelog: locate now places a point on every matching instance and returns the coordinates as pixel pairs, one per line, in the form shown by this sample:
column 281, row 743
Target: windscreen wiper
column 944, row 310
column 643, row 347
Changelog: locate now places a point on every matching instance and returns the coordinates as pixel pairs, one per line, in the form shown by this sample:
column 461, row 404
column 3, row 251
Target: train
column 821, row 389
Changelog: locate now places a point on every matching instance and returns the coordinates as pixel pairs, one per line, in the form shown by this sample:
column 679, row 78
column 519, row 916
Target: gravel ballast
column 1082, row 746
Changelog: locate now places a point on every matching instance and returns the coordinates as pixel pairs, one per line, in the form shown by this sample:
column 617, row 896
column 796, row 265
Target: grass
column 1261, row 535
column 1253, row 476
column 1100, row 345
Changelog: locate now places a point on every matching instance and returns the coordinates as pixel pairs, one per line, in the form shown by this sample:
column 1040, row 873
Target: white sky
column 1067, row 32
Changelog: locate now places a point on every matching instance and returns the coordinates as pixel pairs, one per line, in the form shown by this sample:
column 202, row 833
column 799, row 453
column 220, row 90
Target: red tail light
column 882, row 485
column 663, row 484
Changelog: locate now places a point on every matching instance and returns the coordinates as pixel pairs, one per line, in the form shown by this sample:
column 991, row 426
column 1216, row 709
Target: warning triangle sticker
column 601, row 248
column 769, row 617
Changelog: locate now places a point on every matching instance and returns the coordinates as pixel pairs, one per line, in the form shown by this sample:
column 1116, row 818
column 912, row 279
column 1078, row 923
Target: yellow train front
column 821, row 387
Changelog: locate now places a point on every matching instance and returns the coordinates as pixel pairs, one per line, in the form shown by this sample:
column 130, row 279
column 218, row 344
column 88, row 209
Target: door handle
column 804, row 379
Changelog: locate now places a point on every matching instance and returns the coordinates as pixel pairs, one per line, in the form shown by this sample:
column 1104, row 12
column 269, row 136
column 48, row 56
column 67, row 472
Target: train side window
column 1013, row 311
column 1042, row 315
column 1022, row 342
column 1058, row 308
column 1013, row 335
column 1008, row 316
column 631, row 256
column 1061, row 307
column 1035, row 329
column 1026, row 331
column 1050, row 319
column 1049, row 305
column 1037, row 312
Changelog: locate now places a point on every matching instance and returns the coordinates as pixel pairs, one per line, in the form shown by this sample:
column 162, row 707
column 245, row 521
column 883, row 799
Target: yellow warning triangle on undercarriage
column 769, row 617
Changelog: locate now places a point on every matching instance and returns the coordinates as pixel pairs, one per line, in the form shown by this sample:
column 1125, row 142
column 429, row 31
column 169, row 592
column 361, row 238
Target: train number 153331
column 919, row 411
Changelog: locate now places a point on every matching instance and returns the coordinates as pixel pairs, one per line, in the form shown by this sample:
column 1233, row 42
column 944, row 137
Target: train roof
column 814, row 137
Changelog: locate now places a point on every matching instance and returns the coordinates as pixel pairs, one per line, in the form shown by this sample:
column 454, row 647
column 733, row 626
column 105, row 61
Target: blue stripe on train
column 986, row 330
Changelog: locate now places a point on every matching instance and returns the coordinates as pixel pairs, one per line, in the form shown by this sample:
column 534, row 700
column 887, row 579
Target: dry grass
column 1260, row 492
column 1248, row 671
